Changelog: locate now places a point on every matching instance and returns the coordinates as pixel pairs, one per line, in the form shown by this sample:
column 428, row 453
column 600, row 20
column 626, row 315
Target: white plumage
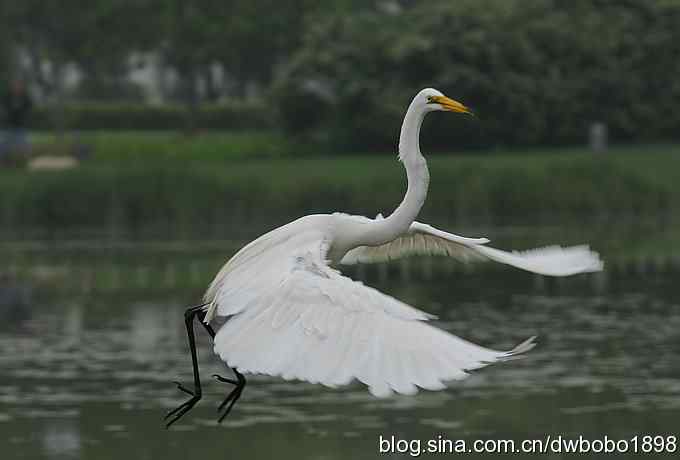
column 291, row 314
column 423, row 239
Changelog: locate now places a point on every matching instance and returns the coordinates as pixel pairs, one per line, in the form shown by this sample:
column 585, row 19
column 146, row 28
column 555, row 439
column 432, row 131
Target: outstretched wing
column 300, row 319
column 423, row 239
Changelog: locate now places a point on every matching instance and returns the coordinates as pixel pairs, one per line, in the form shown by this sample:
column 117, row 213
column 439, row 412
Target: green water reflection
column 87, row 374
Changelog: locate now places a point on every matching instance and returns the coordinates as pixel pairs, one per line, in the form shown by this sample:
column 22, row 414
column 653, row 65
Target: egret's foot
column 179, row 411
column 183, row 388
column 232, row 397
column 219, row 378
column 229, row 402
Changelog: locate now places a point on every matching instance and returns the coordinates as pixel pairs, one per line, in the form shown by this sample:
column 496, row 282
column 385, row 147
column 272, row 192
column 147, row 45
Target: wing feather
column 304, row 320
column 423, row 239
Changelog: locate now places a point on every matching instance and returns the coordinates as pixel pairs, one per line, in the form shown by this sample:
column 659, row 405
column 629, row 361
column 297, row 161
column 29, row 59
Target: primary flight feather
column 292, row 314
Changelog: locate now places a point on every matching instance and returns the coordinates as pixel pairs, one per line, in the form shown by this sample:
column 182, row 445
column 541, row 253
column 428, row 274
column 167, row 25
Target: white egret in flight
column 292, row 314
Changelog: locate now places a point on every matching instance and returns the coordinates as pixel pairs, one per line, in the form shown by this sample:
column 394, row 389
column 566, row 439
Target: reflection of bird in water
column 292, row 314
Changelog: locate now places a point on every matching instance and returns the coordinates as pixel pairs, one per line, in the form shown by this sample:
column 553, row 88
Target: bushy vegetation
column 195, row 191
column 232, row 116
column 124, row 149
column 536, row 72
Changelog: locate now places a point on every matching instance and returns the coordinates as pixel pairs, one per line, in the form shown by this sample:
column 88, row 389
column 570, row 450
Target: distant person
column 16, row 105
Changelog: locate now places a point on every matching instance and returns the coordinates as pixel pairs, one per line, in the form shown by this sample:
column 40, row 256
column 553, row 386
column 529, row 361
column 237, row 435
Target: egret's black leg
column 196, row 394
column 233, row 396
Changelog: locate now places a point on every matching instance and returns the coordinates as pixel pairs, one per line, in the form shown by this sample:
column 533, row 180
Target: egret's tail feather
column 210, row 312
column 525, row 346
column 520, row 349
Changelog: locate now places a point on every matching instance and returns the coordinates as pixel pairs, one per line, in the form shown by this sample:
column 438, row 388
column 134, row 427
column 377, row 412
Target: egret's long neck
column 418, row 178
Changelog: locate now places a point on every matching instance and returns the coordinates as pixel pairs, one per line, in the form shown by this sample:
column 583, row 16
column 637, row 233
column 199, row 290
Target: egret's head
column 431, row 100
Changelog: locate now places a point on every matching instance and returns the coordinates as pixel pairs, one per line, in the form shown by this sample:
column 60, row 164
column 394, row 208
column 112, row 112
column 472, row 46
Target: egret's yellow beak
column 450, row 104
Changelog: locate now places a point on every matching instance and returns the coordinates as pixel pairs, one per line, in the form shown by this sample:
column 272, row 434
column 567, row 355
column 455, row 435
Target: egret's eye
column 429, row 99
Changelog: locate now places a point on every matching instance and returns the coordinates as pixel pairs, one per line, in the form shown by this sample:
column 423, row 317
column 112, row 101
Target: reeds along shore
column 202, row 189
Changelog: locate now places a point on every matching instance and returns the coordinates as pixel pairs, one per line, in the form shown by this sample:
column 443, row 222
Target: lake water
column 86, row 366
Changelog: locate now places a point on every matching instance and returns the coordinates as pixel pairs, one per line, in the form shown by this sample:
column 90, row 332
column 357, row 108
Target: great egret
column 293, row 315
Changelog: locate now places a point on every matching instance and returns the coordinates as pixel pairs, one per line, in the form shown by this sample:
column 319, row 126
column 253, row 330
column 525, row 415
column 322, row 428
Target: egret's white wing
column 299, row 319
column 423, row 239
column 549, row 260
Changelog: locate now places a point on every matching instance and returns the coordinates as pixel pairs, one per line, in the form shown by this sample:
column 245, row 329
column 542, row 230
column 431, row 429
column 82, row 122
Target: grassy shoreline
column 134, row 181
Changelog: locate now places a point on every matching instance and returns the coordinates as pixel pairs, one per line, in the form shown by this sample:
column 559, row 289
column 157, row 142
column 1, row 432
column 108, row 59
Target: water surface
column 86, row 369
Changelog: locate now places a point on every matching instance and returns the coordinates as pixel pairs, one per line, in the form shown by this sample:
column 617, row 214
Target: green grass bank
column 178, row 186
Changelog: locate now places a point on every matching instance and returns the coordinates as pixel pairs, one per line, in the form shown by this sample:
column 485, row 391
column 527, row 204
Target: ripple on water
column 442, row 424
column 595, row 355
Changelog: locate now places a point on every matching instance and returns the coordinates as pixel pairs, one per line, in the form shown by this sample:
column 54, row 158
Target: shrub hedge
column 233, row 116
column 185, row 197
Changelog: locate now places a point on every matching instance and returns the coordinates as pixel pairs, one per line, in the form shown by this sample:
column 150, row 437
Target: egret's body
column 293, row 314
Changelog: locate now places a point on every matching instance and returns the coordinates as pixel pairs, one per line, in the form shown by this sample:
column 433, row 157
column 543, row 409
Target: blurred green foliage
column 96, row 36
column 249, row 37
column 534, row 71
column 157, row 185
column 235, row 115
column 341, row 72
column 120, row 149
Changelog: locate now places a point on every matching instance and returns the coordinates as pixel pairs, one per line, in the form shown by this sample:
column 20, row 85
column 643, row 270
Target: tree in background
column 106, row 35
column 95, row 36
column 535, row 71
column 247, row 38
